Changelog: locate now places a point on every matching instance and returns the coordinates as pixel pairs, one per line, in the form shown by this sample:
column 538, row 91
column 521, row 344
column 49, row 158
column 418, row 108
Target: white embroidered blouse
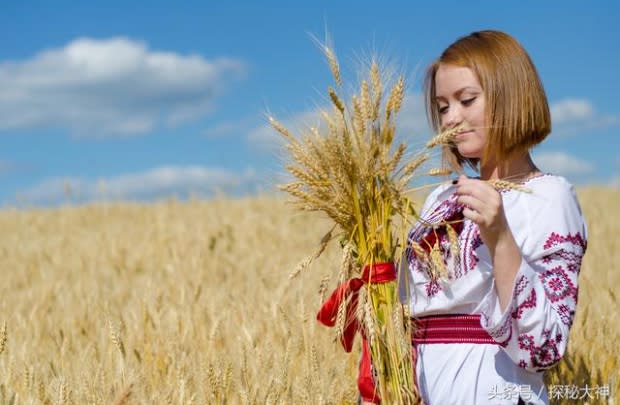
column 532, row 331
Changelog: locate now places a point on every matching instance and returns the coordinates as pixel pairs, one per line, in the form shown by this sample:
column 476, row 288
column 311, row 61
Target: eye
column 468, row 101
column 443, row 109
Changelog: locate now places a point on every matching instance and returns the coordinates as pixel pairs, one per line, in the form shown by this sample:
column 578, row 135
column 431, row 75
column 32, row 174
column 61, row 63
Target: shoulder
column 550, row 182
column 549, row 192
column 551, row 210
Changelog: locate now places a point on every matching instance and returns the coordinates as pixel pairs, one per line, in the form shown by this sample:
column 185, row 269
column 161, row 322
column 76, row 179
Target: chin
column 470, row 154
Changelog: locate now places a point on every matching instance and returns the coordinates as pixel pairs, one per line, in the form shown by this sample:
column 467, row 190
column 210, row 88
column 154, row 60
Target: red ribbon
column 377, row 273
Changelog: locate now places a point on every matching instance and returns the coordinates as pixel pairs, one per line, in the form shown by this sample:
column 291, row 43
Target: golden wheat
column 195, row 284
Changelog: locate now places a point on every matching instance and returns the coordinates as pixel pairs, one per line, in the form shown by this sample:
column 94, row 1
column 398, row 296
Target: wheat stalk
column 333, row 64
column 3, row 337
column 115, row 336
column 445, row 138
column 500, row 184
column 439, row 172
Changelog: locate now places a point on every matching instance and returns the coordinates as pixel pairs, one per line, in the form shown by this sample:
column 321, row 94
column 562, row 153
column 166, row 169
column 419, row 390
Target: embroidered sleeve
column 533, row 329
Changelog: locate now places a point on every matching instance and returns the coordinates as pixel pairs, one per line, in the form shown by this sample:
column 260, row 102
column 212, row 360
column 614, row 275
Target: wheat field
column 190, row 303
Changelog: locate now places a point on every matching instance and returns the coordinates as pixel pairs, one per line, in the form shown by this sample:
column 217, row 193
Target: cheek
column 442, row 122
column 482, row 115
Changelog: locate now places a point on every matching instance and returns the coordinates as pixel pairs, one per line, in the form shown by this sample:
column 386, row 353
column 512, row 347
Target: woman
column 488, row 330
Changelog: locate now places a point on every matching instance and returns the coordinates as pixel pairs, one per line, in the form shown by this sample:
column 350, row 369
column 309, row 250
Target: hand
column 483, row 206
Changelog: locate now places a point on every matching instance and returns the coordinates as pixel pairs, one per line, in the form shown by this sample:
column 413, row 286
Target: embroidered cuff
column 498, row 324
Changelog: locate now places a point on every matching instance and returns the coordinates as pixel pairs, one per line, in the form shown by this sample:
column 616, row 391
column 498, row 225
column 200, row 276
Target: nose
column 452, row 117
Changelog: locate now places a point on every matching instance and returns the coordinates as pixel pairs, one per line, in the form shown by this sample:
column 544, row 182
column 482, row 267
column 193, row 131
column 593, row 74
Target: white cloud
column 571, row 110
column 112, row 86
column 571, row 116
column 158, row 182
column 562, row 163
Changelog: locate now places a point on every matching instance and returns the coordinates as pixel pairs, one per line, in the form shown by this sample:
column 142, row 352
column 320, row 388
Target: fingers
column 470, row 202
column 483, row 204
column 472, row 215
column 474, row 209
column 466, row 185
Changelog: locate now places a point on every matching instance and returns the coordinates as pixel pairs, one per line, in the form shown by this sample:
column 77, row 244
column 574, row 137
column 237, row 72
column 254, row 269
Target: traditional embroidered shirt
column 532, row 331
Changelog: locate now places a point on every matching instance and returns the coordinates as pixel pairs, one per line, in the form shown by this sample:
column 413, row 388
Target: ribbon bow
column 377, row 273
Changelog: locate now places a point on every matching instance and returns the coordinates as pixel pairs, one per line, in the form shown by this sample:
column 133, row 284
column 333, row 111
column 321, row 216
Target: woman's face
column 460, row 100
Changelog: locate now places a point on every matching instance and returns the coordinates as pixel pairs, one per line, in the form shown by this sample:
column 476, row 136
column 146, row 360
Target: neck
column 516, row 169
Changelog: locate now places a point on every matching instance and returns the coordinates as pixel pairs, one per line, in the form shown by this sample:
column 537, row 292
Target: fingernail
column 455, row 181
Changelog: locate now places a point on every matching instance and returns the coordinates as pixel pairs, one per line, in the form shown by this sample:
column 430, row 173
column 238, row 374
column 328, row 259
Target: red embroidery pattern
column 567, row 314
column 520, row 285
column 432, row 288
column 502, row 334
column 558, row 286
column 572, row 259
column 556, row 239
column 530, row 302
column 429, row 232
column 558, row 281
column 446, row 209
column 469, row 243
column 459, row 328
column 545, row 355
column 560, row 289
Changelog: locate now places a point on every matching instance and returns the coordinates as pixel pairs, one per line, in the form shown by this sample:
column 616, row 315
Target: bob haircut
column 517, row 111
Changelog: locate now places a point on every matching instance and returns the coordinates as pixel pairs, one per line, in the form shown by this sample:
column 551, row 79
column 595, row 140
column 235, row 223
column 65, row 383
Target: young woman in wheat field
column 500, row 316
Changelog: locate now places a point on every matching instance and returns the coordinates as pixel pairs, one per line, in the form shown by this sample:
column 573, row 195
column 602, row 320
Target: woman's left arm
column 533, row 304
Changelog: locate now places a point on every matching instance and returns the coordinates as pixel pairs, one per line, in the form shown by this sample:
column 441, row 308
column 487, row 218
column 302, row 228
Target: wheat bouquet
column 352, row 169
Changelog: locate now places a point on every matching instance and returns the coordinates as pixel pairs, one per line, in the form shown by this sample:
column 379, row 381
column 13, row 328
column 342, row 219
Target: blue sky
column 143, row 100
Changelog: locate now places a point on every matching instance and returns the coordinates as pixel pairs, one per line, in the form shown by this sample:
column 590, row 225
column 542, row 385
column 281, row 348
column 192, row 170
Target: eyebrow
column 461, row 91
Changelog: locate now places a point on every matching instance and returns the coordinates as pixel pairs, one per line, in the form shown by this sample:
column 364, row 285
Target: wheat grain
column 437, row 262
column 115, row 336
column 365, row 100
column 282, row 129
column 336, row 100
column 377, row 89
column 439, row 172
column 395, row 99
column 3, row 337
column 508, row 185
column 333, row 64
column 454, row 244
column 445, row 138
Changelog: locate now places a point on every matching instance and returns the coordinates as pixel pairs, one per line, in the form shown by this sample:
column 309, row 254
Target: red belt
column 450, row 329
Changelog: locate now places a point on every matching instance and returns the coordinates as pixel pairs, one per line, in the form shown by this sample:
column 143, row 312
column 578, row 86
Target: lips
column 463, row 134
